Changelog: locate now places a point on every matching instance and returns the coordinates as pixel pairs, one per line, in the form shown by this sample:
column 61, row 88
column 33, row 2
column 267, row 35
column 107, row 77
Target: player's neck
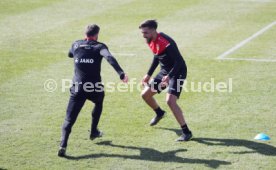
column 93, row 38
column 155, row 35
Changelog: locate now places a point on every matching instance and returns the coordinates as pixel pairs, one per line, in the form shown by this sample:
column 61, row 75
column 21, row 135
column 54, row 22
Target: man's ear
column 96, row 36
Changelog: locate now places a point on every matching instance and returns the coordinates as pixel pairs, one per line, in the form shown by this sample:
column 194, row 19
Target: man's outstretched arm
column 112, row 61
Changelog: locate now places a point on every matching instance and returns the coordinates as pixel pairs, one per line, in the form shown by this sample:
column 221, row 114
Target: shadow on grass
column 256, row 147
column 149, row 154
column 3, row 169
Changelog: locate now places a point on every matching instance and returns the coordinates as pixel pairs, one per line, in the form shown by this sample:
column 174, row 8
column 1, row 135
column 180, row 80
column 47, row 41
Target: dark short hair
column 151, row 23
column 92, row 30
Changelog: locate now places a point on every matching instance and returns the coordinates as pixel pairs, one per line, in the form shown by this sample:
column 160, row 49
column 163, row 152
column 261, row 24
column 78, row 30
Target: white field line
column 242, row 43
column 250, row 59
column 123, row 54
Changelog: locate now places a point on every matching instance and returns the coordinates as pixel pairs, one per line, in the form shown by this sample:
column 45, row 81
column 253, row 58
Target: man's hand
column 125, row 80
column 165, row 81
column 145, row 80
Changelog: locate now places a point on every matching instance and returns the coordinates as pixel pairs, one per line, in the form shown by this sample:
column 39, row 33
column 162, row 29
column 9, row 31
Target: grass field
column 36, row 35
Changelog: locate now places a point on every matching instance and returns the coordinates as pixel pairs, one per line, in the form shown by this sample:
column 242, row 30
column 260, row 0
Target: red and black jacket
column 167, row 54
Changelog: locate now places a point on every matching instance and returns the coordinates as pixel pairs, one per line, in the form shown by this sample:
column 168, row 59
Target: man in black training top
column 87, row 54
column 172, row 74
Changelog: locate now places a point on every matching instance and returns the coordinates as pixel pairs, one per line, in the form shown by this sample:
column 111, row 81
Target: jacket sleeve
column 176, row 57
column 70, row 53
column 113, row 62
column 153, row 66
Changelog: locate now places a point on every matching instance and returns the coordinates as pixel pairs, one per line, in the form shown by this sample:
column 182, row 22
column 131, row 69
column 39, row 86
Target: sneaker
column 61, row 152
column 185, row 137
column 156, row 119
column 96, row 134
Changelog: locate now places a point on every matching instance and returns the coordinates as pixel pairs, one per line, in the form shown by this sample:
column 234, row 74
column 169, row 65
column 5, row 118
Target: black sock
column 185, row 129
column 159, row 111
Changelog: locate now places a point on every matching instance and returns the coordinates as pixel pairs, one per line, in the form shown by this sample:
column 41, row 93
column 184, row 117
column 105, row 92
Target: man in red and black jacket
column 172, row 75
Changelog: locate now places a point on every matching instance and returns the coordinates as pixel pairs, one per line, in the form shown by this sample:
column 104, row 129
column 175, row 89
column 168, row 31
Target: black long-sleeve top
column 166, row 54
column 88, row 56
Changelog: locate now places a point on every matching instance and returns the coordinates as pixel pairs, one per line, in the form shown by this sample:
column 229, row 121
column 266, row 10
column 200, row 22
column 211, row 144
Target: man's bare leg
column 147, row 95
column 178, row 114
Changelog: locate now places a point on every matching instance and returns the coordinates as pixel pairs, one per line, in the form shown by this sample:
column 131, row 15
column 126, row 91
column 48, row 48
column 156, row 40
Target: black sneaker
column 185, row 137
column 156, row 119
column 96, row 134
column 61, row 152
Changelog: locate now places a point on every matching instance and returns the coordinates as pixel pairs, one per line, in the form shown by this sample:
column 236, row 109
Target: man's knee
column 170, row 101
column 98, row 99
column 147, row 94
column 144, row 95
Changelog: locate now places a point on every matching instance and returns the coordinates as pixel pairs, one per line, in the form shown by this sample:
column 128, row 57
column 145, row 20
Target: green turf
column 34, row 40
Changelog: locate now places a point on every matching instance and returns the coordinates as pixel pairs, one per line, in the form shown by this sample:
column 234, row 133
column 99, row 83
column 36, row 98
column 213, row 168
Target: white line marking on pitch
column 251, row 59
column 239, row 45
column 124, row 54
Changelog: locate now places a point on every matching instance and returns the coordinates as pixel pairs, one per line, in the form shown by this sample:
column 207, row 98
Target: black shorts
column 175, row 83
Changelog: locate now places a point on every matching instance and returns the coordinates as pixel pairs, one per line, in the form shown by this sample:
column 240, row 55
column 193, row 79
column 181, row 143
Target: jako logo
column 84, row 60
